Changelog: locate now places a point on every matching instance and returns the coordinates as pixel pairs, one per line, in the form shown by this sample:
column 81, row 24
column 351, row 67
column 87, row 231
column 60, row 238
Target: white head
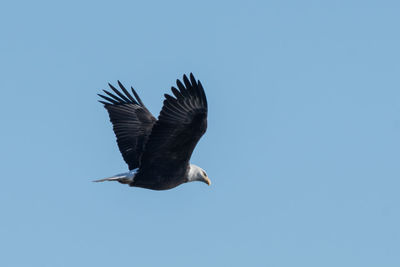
column 198, row 174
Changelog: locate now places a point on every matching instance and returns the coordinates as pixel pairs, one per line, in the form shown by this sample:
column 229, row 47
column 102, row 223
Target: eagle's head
column 197, row 174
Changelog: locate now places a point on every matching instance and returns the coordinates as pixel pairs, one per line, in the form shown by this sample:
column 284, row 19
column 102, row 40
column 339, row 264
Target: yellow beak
column 207, row 181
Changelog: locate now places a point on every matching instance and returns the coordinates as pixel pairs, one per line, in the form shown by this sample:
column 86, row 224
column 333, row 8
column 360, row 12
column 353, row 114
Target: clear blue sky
column 302, row 147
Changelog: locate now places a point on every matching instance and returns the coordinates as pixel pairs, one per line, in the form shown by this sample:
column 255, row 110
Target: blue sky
column 302, row 146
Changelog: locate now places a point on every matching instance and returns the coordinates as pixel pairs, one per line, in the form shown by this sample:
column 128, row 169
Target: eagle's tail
column 114, row 178
column 123, row 178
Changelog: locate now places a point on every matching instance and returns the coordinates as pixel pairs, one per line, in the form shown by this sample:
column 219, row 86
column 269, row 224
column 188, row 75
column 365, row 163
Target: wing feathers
column 182, row 88
column 190, row 97
column 181, row 123
column 116, row 98
column 126, row 93
column 176, row 93
column 108, row 99
column 193, row 80
column 187, row 83
column 137, row 97
column 122, row 97
column 202, row 94
column 132, row 122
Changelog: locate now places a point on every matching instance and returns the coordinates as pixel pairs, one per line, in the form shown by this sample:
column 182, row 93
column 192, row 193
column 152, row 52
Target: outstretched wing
column 132, row 123
column 181, row 123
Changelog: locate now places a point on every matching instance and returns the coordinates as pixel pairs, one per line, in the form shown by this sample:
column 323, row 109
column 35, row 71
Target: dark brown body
column 156, row 179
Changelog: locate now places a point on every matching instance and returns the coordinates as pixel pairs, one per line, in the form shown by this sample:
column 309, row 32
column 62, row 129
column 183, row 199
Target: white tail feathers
column 123, row 178
column 115, row 178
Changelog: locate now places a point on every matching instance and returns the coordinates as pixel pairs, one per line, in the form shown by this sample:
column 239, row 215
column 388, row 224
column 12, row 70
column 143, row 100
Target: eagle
column 158, row 151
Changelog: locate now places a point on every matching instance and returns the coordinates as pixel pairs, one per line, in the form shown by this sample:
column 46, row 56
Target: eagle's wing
column 180, row 125
column 132, row 123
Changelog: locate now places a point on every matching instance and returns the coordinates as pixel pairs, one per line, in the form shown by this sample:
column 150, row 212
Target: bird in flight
column 158, row 151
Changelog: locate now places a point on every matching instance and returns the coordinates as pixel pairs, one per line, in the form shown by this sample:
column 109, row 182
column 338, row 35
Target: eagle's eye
column 205, row 174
